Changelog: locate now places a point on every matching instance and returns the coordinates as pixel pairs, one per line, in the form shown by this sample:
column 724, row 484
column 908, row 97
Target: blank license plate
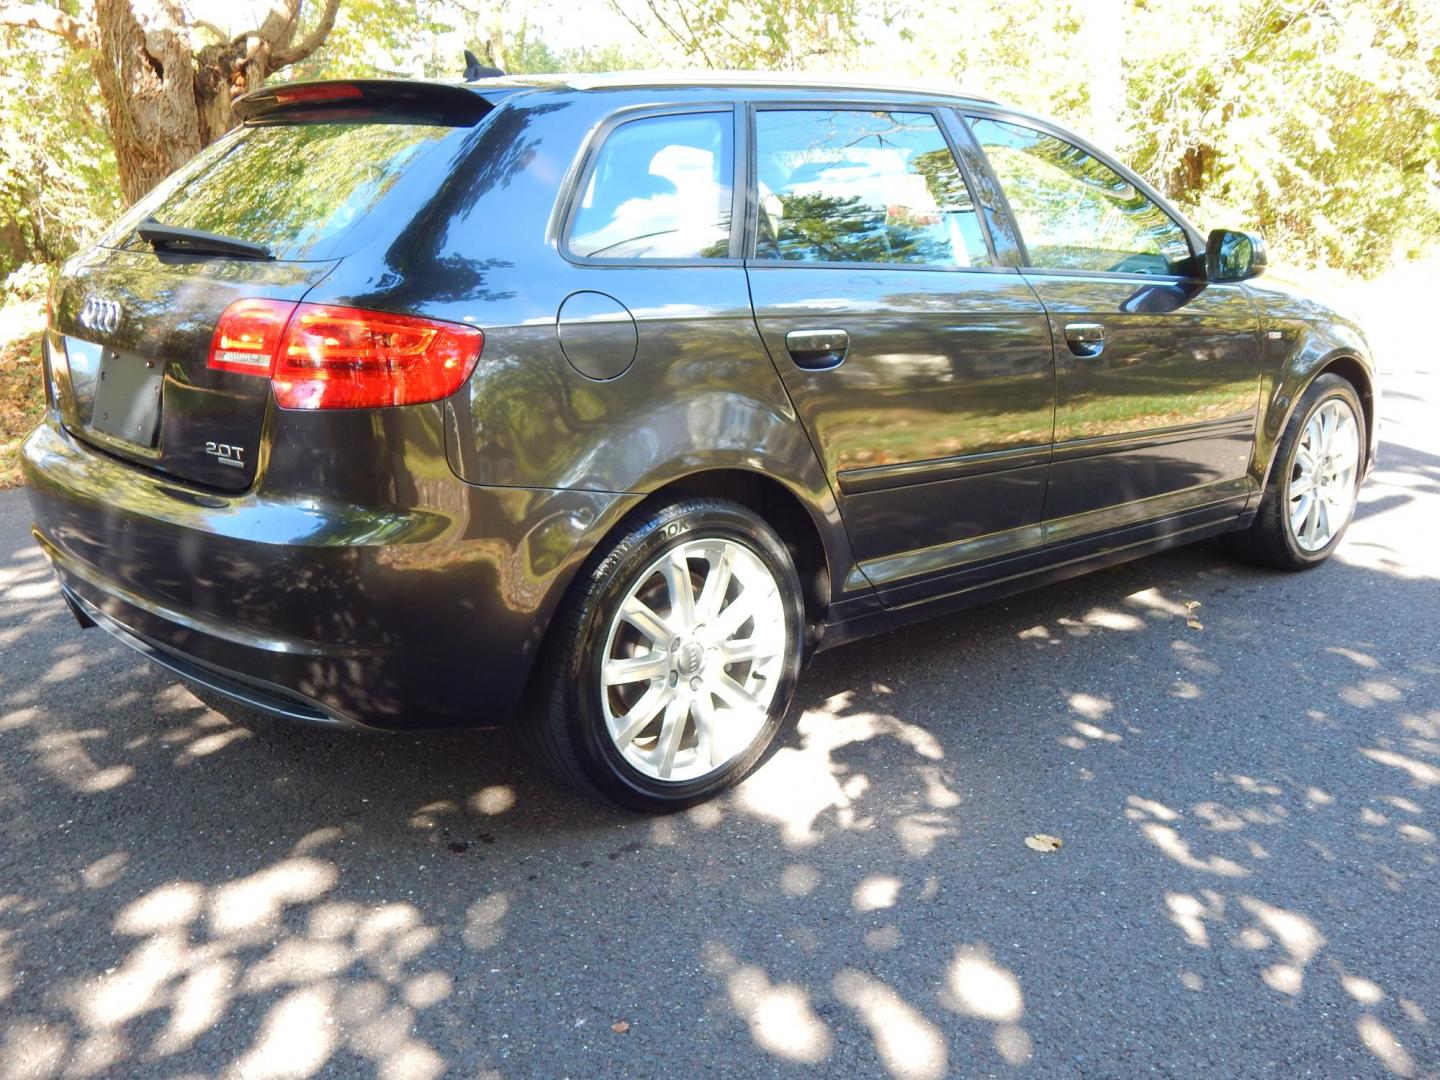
column 127, row 399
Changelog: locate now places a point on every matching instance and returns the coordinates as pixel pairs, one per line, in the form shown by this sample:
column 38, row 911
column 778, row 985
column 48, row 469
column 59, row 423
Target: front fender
column 1302, row 337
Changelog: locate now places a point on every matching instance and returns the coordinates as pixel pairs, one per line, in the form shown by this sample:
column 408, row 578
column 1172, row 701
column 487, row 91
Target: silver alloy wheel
column 693, row 660
column 1320, row 496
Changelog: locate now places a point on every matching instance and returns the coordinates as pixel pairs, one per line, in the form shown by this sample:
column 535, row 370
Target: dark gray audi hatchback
column 595, row 405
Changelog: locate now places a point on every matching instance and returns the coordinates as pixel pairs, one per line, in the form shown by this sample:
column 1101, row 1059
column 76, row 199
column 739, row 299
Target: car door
column 1157, row 369
column 922, row 372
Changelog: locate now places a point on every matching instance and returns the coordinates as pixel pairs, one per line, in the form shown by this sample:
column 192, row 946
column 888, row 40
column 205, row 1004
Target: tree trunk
column 147, row 80
column 164, row 102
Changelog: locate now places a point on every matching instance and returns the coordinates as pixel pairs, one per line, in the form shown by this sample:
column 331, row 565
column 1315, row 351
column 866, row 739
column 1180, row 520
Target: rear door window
column 862, row 186
column 1074, row 211
column 295, row 188
column 661, row 187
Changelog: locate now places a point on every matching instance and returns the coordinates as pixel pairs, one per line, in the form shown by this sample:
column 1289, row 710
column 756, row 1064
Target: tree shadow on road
column 1248, row 813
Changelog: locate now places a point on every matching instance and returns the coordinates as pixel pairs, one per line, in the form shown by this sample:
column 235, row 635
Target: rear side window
column 855, row 186
column 1074, row 211
column 660, row 188
column 295, row 188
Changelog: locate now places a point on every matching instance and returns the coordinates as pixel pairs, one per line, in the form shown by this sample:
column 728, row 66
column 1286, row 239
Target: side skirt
column 1009, row 576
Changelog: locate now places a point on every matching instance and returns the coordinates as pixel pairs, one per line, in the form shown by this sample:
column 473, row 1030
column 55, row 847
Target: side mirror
column 1234, row 256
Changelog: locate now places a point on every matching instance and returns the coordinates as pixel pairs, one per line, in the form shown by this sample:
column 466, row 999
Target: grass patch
column 22, row 391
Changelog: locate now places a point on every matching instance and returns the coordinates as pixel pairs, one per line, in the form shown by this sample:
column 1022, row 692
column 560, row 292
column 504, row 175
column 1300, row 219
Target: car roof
column 627, row 80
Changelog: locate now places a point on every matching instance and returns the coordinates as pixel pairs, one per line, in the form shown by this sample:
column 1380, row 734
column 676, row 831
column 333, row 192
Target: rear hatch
column 272, row 208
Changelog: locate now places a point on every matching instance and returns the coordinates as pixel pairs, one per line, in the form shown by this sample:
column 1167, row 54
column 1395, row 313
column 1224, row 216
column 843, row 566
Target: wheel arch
column 808, row 525
column 1296, row 382
column 781, row 508
column 1357, row 375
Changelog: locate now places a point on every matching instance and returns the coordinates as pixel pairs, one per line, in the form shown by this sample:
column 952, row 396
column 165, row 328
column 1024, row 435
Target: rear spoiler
column 341, row 99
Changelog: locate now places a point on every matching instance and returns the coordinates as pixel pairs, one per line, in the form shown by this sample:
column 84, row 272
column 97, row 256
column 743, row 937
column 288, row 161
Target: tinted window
column 659, row 189
column 869, row 187
column 296, row 188
column 1074, row 211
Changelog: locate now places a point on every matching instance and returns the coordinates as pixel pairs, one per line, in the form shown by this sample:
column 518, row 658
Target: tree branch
column 619, row 9
column 688, row 41
column 49, row 20
column 213, row 30
column 310, row 42
column 274, row 31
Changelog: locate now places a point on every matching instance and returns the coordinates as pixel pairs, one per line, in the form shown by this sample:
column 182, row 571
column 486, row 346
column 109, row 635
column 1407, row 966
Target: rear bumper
column 401, row 617
column 256, row 693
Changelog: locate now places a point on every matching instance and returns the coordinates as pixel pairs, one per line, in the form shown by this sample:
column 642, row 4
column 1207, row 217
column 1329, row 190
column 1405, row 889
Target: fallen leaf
column 620, row 1027
column 1042, row 842
column 1194, row 624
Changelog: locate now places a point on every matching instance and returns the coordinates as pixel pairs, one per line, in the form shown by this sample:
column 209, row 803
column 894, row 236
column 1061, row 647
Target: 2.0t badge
column 226, row 454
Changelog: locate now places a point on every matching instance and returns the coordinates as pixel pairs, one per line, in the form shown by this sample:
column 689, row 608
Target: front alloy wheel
column 1322, row 489
column 672, row 662
column 1314, row 485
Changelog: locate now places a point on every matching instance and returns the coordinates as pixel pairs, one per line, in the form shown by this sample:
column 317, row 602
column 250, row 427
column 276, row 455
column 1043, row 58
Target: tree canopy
column 1315, row 121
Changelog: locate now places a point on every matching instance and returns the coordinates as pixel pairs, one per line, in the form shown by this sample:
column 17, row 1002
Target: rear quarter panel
column 701, row 393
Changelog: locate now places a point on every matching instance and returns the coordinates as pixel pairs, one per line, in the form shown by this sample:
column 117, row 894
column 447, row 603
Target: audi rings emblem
column 102, row 316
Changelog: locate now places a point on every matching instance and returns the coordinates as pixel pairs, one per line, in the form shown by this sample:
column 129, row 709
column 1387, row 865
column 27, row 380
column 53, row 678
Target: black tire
column 1269, row 540
column 565, row 722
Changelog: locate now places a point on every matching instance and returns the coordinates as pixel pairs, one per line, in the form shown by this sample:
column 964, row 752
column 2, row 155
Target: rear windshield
column 295, row 188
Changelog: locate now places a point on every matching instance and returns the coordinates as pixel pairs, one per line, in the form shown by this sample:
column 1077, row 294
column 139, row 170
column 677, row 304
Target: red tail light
column 319, row 356
column 248, row 335
column 344, row 358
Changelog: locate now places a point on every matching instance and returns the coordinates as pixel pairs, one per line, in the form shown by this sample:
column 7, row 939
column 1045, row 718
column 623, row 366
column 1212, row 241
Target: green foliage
column 57, row 171
column 771, row 35
column 378, row 38
column 408, row 38
column 22, row 397
column 531, row 54
column 1315, row 121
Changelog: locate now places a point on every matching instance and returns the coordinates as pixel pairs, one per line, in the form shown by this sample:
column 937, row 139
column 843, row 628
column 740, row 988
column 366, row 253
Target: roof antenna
column 474, row 69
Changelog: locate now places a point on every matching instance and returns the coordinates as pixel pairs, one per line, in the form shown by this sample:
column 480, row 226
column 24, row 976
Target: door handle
column 817, row 350
column 1086, row 339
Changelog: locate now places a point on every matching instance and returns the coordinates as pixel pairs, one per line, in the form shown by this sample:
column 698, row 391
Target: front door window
column 1074, row 211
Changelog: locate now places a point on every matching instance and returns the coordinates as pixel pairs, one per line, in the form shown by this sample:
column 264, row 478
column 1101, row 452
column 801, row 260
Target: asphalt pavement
column 1248, row 882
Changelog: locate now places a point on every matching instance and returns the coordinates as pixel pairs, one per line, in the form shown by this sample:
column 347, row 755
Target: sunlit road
column 1249, row 883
